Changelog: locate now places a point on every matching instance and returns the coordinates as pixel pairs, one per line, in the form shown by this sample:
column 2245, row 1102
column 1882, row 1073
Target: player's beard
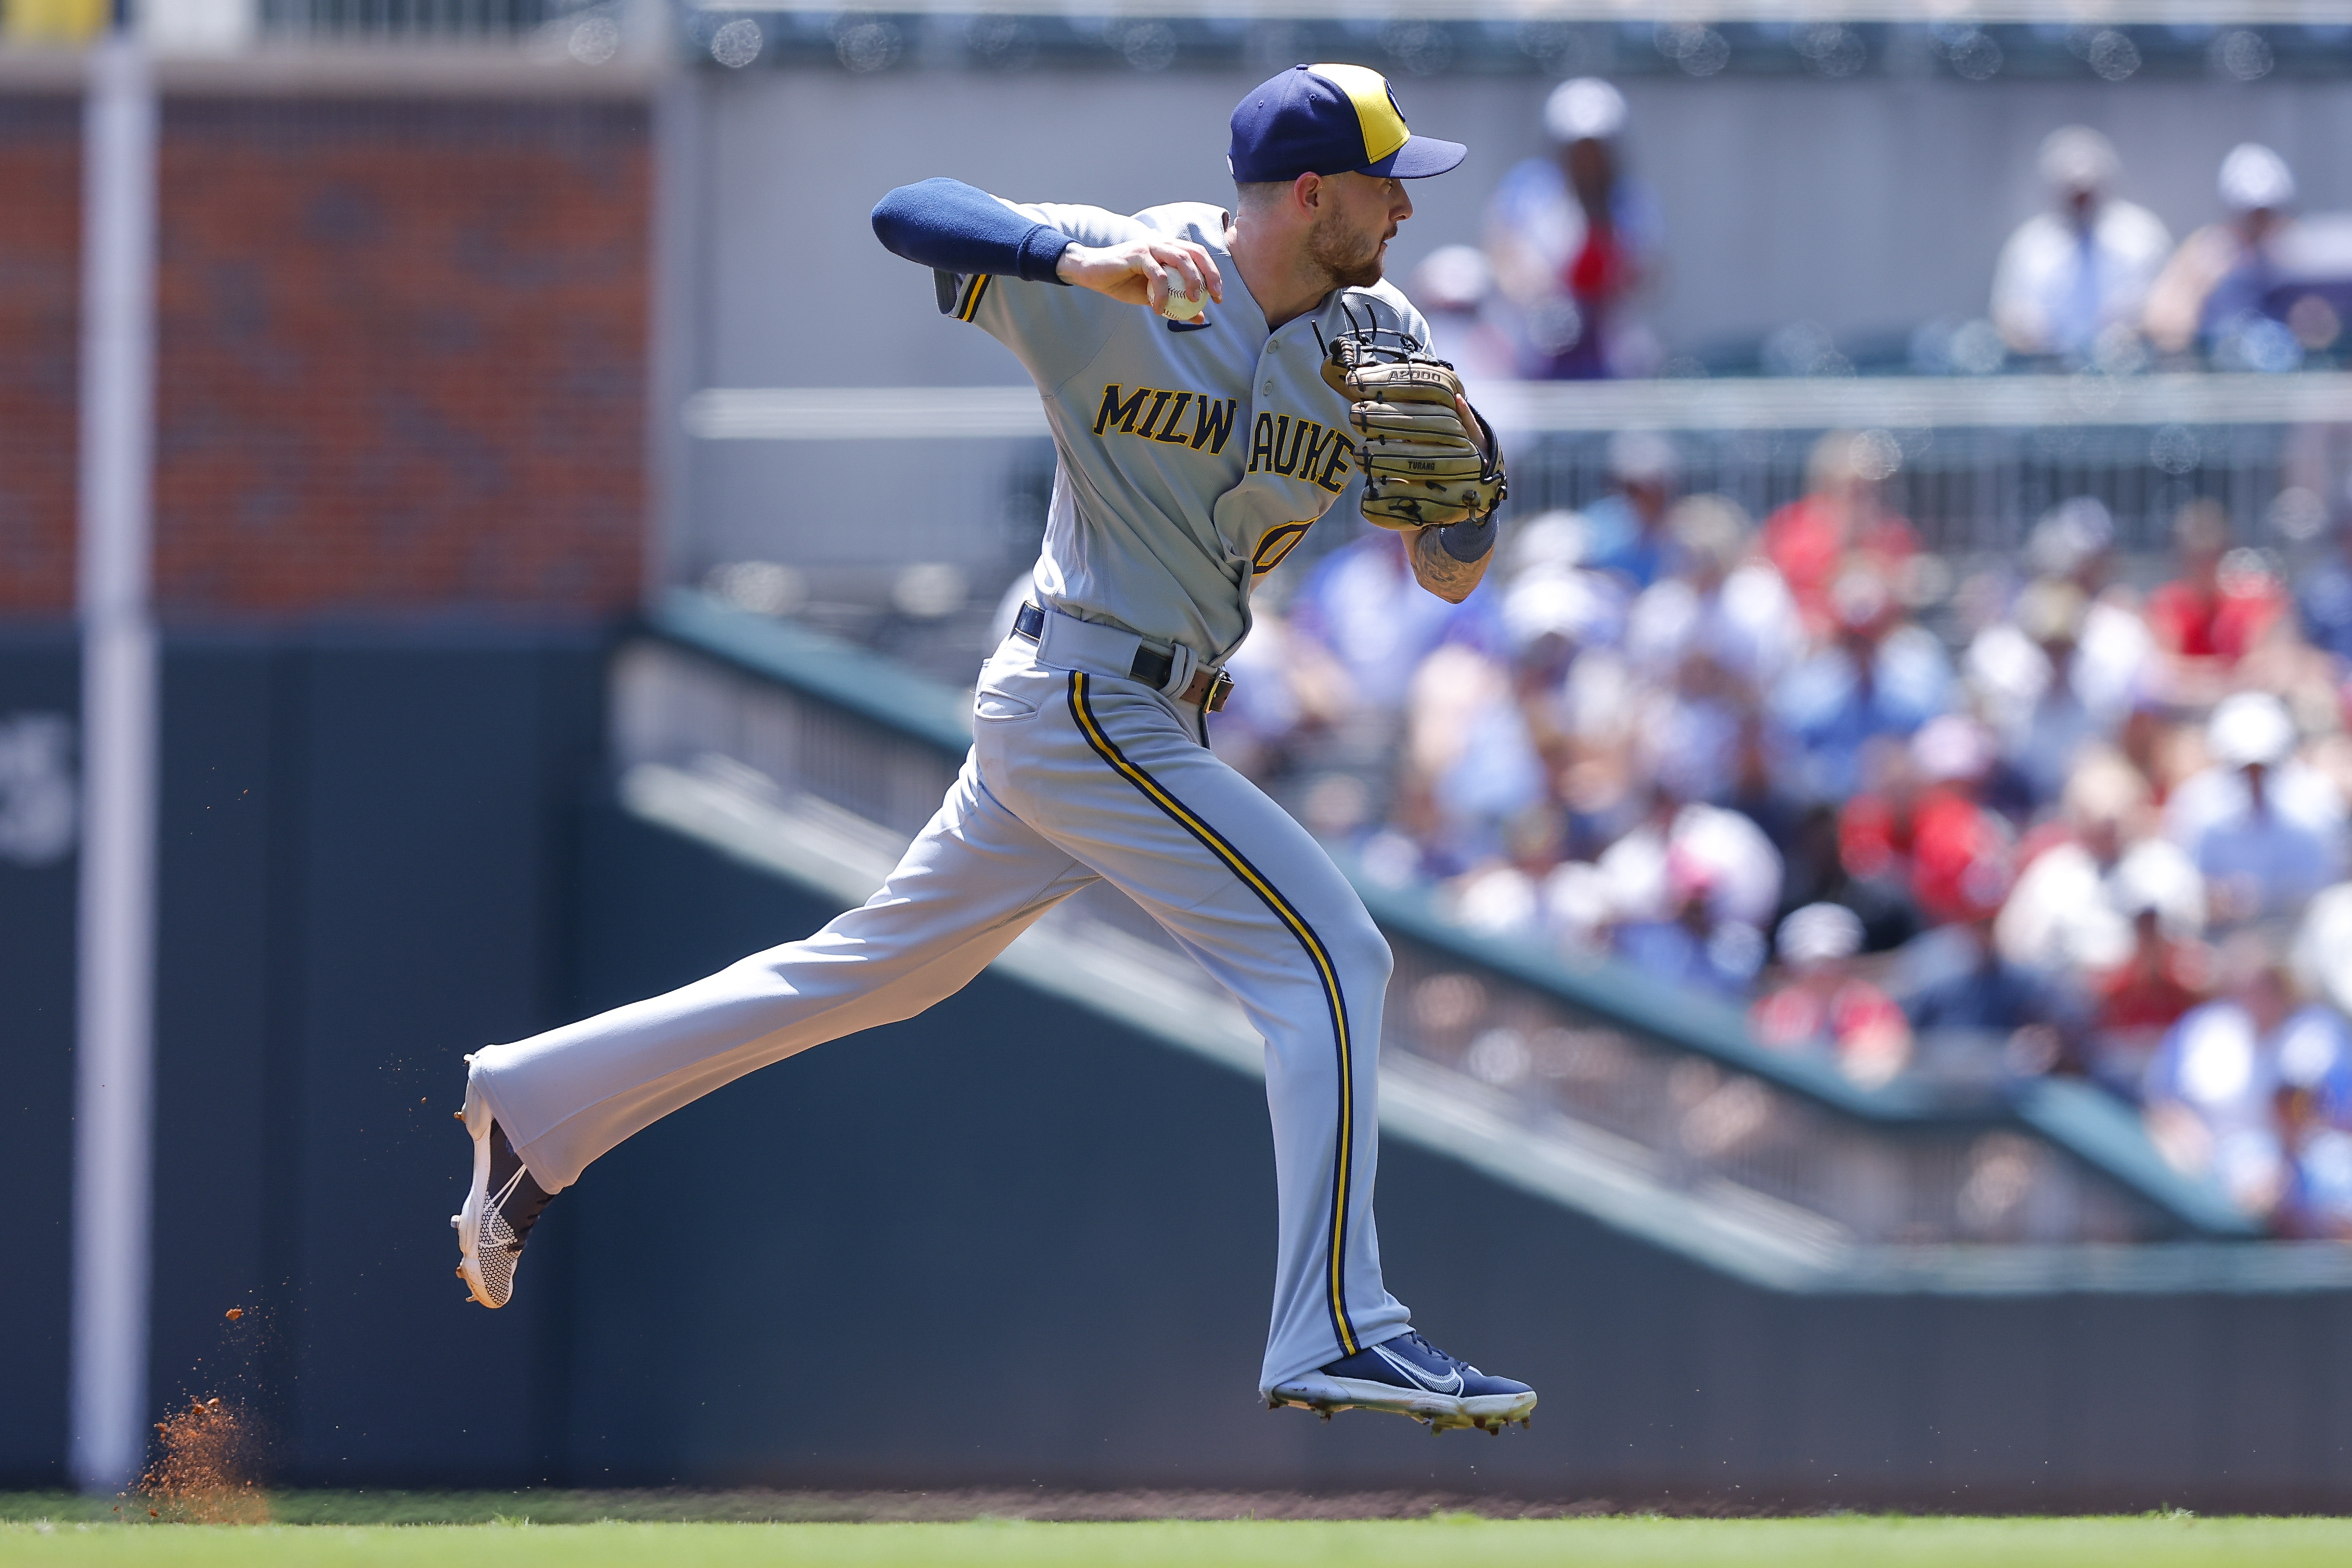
column 1352, row 260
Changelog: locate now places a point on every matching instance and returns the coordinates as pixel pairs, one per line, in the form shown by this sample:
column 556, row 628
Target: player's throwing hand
column 1144, row 271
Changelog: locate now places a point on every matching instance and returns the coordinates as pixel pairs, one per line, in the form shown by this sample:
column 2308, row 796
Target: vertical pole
column 115, row 1001
column 675, row 293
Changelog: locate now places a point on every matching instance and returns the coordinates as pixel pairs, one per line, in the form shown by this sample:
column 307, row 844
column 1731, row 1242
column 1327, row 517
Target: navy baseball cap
column 1330, row 119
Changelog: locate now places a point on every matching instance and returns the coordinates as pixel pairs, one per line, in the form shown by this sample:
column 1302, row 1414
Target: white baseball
column 1179, row 309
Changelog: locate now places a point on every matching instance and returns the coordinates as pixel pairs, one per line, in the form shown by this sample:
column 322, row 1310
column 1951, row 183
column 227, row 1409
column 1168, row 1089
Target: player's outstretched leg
column 1412, row 1377
column 541, row 1109
column 501, row 1205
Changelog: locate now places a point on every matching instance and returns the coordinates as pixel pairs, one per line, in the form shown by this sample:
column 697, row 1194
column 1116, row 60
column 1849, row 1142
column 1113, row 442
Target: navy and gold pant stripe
column 972, row 294
column 1343, row 1162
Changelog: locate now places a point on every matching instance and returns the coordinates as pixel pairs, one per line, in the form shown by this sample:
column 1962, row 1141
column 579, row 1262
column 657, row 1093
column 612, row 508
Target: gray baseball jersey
column 1194, row 455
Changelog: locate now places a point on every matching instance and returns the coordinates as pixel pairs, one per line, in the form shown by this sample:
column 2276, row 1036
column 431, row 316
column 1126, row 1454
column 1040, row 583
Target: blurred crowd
column 1573, row 247
column 2069, row 827
column 2097, row 280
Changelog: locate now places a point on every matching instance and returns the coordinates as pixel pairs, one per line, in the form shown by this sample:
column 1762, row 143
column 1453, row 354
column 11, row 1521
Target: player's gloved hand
column 1428, row 458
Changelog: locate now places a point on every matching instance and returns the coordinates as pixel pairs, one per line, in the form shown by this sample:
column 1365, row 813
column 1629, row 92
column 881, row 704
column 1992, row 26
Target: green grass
column 2157, row 1541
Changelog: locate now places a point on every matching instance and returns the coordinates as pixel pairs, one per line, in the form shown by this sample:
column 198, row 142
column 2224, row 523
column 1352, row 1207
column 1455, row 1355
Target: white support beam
column 1795, row 403
column 114, row 1064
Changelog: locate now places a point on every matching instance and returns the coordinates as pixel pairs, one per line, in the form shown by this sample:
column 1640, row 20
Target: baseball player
column 1213, row 380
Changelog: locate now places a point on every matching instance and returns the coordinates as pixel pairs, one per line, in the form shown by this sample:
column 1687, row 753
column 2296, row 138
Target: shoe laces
column 1452, row 1363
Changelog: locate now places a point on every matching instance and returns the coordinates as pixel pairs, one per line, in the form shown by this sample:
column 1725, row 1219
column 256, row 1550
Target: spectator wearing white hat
column 2266, row 831
column 1691, row 890
column 1573, row 239
column 2073, row 908
column 1553, row 617
column 2213, row 289
column 1825, row 1006
column 2083, row 267
column 2020, row 670
column 2075, row 543
column 2071, row 657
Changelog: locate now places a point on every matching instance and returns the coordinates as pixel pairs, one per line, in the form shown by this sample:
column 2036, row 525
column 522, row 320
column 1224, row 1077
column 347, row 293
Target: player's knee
column 1361, row 954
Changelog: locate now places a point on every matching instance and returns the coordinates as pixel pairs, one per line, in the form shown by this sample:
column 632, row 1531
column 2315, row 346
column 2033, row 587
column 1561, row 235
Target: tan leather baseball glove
column 1422, row 466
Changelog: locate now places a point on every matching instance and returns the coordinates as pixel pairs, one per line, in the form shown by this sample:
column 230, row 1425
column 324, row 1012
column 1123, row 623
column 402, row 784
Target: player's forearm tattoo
column 1436, row 566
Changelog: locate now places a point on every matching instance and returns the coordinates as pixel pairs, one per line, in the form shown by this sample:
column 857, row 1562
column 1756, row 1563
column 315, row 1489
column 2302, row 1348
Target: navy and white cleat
column 501, row 1205
column 1412, row 1377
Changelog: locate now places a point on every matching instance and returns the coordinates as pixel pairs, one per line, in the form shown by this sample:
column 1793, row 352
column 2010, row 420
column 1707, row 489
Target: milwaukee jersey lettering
column 1192, row 457
column 1212, row 419
column 1305, row 454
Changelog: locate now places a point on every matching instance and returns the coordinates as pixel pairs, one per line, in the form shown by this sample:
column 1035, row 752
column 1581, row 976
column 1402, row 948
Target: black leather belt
column 1209, row 688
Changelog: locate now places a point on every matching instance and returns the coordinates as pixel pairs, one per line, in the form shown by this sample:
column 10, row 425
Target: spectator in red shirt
column 1840, row 517
column 1960, row 852
column 2213, row 613
column 2141, row 998
column 1923, row 823
column 1876, row 828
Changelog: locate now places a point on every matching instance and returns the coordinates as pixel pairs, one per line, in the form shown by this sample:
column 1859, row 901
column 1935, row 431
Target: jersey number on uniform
column 1155, row 415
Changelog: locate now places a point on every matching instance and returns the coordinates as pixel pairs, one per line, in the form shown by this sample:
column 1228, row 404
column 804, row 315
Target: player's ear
column 1306, row 191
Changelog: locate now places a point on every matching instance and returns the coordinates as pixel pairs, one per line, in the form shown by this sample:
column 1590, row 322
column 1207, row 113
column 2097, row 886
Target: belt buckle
column 1219, row 690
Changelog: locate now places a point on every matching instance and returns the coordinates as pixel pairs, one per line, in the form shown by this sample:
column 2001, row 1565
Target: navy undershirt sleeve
column 955, row 227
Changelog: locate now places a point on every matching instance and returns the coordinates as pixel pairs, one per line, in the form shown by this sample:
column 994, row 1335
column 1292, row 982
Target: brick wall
column 40, row 250
column 402, row 358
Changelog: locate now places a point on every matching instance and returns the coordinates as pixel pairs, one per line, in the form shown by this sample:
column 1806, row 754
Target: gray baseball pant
column 1076, row 774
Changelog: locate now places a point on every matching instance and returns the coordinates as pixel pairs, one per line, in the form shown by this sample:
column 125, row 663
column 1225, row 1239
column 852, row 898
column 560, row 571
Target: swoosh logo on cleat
column 1450, row 1384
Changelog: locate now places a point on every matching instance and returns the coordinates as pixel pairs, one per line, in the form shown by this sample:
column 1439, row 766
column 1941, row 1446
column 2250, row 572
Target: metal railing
column 1971, row 462
column 1967, row 492
column 408, row 20
column 1702, row 1111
